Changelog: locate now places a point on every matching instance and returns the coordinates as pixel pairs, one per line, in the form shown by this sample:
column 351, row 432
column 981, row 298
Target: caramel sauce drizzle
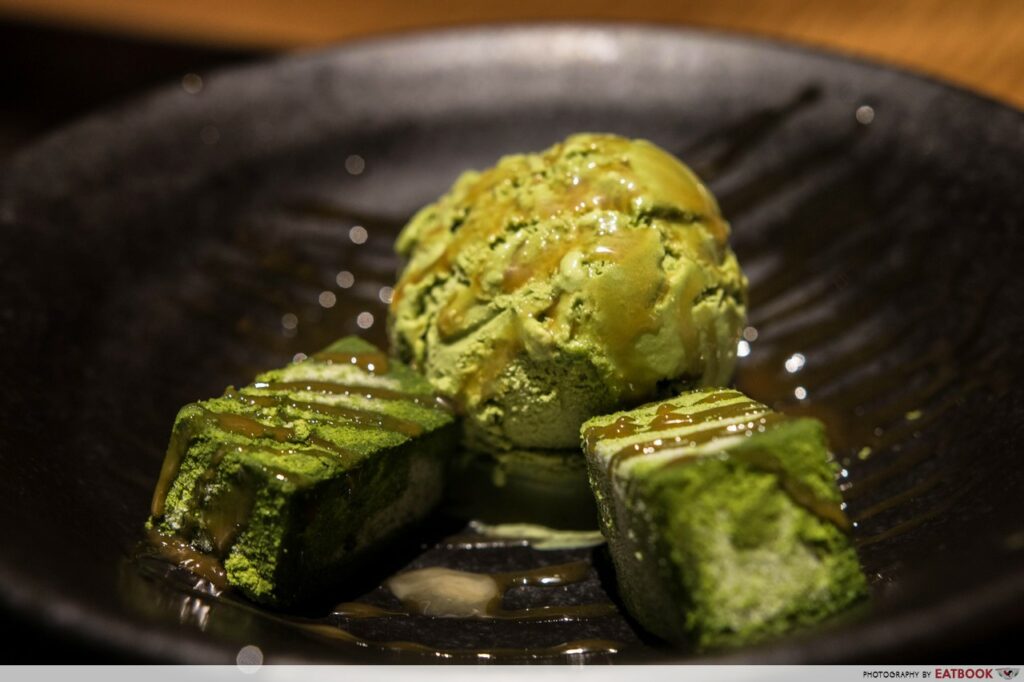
column 574, row 647
column 760, row 418
column 623, row 174
column 546, row 576
column 719, row 396
column 365, row 419
column 436, row 583
column 180, row 553
column 592, row 189
column 370, row 392
column 666, row 417
column 180, row 436
column 622, row 427
column 185, row 430
column 225, row 516
column 251, row 428
column 373, row 362
column 358, row 609
column 562, row 573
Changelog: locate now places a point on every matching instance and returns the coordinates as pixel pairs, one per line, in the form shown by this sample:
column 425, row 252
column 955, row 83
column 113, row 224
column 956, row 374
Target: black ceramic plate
column 155, row 254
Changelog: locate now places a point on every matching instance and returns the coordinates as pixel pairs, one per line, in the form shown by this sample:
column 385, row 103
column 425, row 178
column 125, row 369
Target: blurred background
column 64, row 58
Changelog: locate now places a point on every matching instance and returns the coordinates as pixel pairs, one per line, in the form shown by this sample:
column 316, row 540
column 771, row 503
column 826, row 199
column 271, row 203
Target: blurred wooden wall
column 976, row 43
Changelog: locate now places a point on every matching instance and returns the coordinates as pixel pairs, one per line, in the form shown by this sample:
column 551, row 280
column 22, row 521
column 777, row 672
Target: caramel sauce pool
column 449, row 593
column 435, row 592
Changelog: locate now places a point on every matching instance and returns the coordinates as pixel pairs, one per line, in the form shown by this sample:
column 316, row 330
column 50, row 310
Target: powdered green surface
column 293, row 478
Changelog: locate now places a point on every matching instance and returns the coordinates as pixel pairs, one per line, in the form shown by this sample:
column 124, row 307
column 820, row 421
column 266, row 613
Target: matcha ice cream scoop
column 564, row 284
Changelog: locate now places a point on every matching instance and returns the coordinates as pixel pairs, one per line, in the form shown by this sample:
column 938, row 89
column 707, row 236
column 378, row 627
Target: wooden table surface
column 975, row 43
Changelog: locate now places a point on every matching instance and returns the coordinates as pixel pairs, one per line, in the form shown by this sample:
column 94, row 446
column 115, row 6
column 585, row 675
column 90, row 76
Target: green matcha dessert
column 568, row 283
column 723, row 518
column 297, row 478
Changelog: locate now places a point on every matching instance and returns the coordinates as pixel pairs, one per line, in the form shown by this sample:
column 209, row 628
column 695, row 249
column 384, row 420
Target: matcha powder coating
column 564, row 284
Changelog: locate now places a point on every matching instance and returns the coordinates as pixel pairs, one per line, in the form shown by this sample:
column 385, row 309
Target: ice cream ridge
column 723, row 518
column 560, row 285
column 285, row 487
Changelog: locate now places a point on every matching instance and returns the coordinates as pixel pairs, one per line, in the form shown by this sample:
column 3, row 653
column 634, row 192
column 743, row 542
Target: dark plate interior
column 155, row 254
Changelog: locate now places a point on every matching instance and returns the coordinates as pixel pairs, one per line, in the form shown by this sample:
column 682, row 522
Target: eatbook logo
column 1008, row 673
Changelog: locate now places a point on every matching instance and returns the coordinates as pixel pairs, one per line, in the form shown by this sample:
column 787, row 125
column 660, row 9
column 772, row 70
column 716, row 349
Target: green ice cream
column 564, row 284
